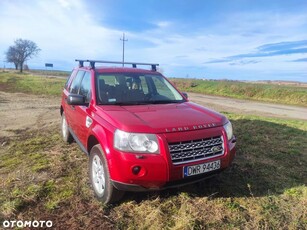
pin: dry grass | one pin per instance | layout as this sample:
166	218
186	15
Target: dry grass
43	178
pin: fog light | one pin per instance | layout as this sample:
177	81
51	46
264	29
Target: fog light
136	170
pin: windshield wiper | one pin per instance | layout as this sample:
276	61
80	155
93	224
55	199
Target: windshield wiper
129	103
164	102
142	102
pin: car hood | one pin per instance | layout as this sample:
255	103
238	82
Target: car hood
161	118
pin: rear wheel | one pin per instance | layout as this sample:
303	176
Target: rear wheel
67	137
100	177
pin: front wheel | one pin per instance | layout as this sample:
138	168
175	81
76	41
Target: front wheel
100	177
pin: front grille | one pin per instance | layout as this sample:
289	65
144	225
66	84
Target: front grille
194	150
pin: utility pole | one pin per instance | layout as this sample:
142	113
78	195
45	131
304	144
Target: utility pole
124	40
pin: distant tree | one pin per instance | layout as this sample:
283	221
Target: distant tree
11	56
22	51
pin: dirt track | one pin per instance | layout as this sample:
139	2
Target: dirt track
224	104
20	111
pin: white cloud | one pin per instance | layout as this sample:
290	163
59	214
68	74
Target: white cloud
164	24
66	29
237	34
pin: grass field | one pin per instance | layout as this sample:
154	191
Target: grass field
29	83
43	178
49	72
283	94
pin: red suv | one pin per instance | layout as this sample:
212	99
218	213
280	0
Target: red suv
139	131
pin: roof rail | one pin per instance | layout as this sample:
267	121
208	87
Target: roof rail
134	64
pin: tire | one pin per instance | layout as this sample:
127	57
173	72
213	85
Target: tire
67	137
100	177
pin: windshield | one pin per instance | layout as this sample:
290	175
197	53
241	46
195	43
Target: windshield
135	88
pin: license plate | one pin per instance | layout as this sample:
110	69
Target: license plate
201	168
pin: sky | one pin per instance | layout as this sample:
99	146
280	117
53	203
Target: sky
212	39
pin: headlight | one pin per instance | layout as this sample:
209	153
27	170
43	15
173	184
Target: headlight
136	142
228	129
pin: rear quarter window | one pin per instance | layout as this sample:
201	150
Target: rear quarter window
85	88
75	85
69	79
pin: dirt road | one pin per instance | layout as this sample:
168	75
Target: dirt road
20	111
224	104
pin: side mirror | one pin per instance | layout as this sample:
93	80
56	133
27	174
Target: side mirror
76	99
185	95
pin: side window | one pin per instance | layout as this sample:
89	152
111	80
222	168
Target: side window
69	79
75	85
85	87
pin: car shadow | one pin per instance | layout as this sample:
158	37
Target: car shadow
270	159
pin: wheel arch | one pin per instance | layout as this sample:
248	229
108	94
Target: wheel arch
91	142
61	110
98	136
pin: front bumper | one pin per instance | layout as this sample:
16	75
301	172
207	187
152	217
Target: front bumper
167	185
160	174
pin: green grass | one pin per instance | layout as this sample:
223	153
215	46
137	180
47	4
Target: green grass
264	92
264	189
49	72
28	83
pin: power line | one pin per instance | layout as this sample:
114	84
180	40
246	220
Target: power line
124	40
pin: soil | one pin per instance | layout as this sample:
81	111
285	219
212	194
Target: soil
19	112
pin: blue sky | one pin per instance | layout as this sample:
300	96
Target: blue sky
234	39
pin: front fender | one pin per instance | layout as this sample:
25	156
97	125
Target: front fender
103	137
